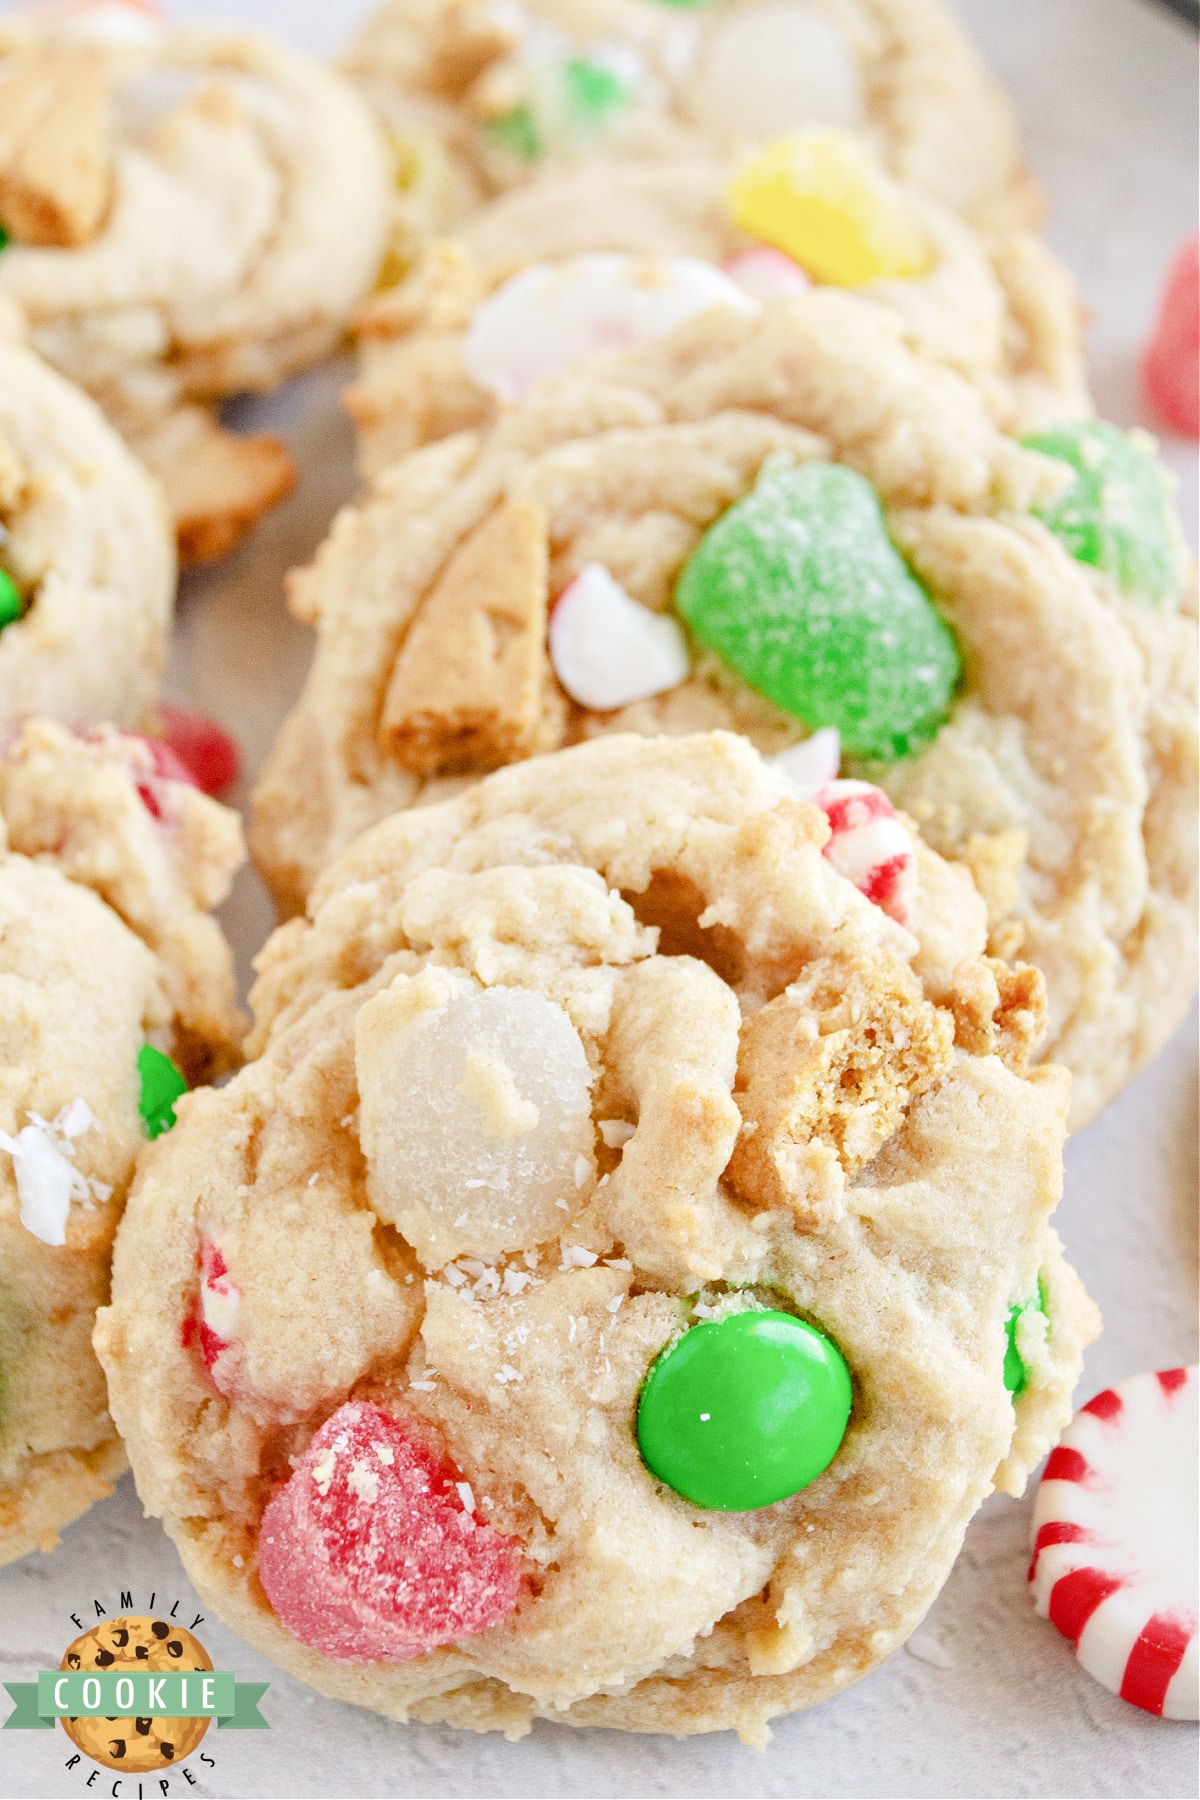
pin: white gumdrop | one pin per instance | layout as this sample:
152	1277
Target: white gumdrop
767	273
553	313
609	651
475	1115
812	763
773	69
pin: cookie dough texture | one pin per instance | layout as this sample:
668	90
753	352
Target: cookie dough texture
245	207
439	71
1065	775
105	943
89	546
803	1103
997	308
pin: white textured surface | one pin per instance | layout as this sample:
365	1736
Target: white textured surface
987	1699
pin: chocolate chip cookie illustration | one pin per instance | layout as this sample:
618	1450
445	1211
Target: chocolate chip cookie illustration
137	1745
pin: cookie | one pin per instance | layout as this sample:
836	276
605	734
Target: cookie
87	564
999	309
1050	743
136	1746
242	216
600	1065
111	967
478	101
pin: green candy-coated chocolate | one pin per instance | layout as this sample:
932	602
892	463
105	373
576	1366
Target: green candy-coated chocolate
745	1410
162	1084
800	590
11	604
1116	515
1016	1375
516	130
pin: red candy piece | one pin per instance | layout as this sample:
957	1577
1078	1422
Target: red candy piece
210	1323
1171	364
208	753
368	1554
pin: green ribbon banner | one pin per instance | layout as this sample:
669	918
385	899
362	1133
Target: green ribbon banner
136	1694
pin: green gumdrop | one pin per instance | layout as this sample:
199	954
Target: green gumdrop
516	130
162	1084
799	589
592	92
1016	1375
744	1411
1116	515
11	604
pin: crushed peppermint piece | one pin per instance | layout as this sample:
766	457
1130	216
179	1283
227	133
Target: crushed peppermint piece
869	845
551	314
607	649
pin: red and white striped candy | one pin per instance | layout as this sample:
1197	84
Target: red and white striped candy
1115	1541
869	845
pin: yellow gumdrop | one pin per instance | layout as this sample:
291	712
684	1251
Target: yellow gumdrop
824	200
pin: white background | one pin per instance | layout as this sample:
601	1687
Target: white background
987	1699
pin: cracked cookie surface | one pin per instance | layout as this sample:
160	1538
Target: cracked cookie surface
520	1111
106	946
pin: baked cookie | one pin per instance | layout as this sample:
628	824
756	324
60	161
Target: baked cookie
87	563
114	978
524	292
206	225
595	1107
479	99
1003	647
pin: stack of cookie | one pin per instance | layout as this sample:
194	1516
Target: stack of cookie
739	816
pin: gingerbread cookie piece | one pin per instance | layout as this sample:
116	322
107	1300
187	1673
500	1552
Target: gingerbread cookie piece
529	289
479	101
242	218
118	992
87	565
1000	634
595	1107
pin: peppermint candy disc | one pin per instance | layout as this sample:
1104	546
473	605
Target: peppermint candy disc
552	313
1115	1541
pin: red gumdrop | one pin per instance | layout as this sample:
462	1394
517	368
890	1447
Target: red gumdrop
206	751
367	1553
1171	364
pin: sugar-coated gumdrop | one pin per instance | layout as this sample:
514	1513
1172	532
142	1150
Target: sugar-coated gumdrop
607	650
205	752
1115	1541
824	200
367	1553
1116	515
869	846
799	589
745	1410
11	604
553	313
162	1085
474	1115
1171	365
774	68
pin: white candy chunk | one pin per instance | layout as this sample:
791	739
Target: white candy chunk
46	1183
474	1113
774	69
111	21
812	763
608	651
553	313
767	273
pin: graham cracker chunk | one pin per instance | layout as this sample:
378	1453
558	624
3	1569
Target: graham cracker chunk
55	169
466	691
